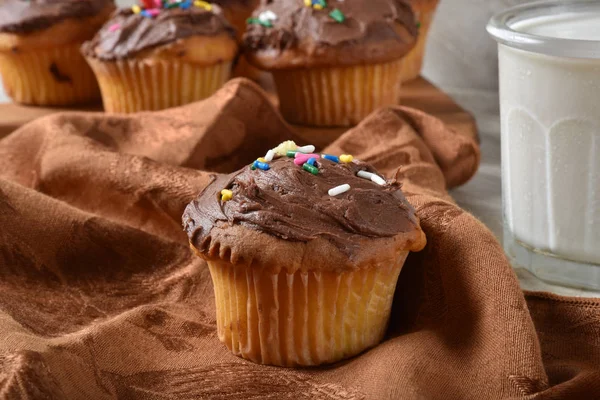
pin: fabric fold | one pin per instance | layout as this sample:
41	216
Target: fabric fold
101	297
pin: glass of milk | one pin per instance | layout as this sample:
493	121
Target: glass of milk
549	65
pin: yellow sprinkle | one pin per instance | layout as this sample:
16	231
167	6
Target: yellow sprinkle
308	3
136	9
261	159
346	158
283	147
203	4
318	7
226	195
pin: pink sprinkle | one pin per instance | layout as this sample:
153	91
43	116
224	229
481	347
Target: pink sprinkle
114	27
307	156
302	158
157	3
153	12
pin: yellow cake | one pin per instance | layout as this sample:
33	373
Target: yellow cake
304	267
151	59
40	62
333	62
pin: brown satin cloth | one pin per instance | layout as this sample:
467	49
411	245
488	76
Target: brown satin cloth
101	298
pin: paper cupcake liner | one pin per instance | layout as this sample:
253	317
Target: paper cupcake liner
52	77
138	85
336	96
302	318
412	63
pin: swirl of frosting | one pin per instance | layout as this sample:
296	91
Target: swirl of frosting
137	33
303	36
26	16
292	204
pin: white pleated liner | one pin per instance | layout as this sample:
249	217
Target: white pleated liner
136	85
337	96
28	78
304	318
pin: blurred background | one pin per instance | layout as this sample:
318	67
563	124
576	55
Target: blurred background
461	59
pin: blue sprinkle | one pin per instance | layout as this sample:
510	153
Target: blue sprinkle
329	157
145	13
311	161
261	165
185	5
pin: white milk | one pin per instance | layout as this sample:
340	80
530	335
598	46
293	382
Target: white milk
550	115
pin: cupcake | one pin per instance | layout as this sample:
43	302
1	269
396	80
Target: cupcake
304	253
40	62
237	12
333	62
412	63
154	58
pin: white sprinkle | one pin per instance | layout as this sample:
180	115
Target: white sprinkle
339	189
378	180
365	174
307	149
371	176
270	155
267	16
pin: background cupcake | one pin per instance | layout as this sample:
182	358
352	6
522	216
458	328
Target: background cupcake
413	62
237	12
304	255
40	62
333	62
161	55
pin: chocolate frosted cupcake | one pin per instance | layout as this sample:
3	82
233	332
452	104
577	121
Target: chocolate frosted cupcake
333	62
155	57
304	252
237	12
413	62
40	62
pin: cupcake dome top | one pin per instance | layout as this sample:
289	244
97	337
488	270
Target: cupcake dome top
302	33
333	206
26	16
131	31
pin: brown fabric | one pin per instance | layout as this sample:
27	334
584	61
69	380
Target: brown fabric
101	298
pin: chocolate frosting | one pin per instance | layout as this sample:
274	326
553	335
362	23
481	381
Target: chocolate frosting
293	204
137	33
367	22
26	16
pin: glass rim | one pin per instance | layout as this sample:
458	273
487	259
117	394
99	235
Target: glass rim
500	28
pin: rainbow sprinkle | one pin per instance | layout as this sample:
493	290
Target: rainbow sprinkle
312	169
151	8
114	27
256	21
338	16
330	157
226	195
338	190
346	158
316	4
203	4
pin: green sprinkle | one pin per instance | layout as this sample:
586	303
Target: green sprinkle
252	166
337	15
418	24
256	21
322	3
310	168
291	153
